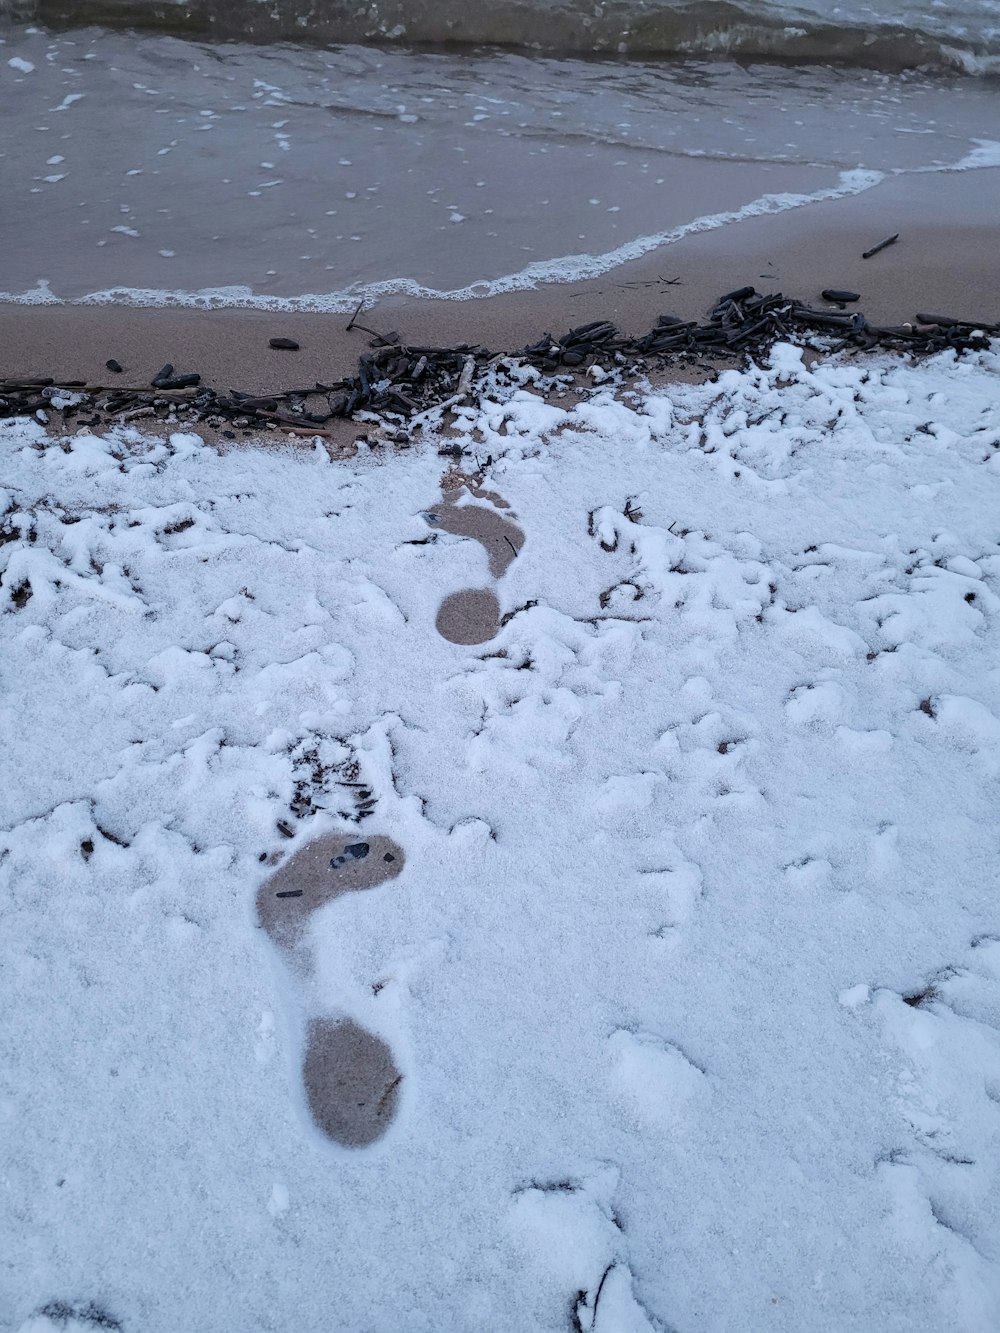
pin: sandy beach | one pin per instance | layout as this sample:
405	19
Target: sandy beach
507	842
943	263
686	989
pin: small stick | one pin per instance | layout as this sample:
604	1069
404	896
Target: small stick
889	240
313	433
600	1288
386	339
388	1093
266	403
943	321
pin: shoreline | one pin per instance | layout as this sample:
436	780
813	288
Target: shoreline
944	262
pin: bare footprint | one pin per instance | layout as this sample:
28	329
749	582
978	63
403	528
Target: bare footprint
473	614
352	1083
499	537
321	871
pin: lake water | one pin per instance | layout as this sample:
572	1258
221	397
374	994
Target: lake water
893	34
150	168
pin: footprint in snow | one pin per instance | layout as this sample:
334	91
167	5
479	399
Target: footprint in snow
352	1082
472	615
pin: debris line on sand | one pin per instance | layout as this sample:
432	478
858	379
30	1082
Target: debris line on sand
410	386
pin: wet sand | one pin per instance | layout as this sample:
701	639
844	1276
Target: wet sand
499	538
944	261
352	1083
322	871
469	616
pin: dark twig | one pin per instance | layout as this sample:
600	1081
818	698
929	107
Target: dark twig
382	339
600	1288
882	245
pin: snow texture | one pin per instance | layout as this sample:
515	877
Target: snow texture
693	969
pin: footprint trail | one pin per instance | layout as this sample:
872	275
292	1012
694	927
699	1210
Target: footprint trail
351	1079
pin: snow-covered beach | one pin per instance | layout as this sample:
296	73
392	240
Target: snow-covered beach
498	827
691	972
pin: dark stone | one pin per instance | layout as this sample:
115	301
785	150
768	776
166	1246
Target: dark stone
177	382
740	294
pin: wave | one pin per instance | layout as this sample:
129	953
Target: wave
567	268
957	40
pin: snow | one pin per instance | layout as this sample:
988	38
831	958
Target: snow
692	972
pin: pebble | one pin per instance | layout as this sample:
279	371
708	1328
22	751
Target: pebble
354	851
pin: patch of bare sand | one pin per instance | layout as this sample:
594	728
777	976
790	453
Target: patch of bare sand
944	261
469	616
352	1082
500	538
317	874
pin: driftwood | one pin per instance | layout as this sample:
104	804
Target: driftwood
882	245
409	386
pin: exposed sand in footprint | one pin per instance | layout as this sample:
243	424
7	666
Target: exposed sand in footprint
473	614
501	539
469	616
309	880
351	1081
